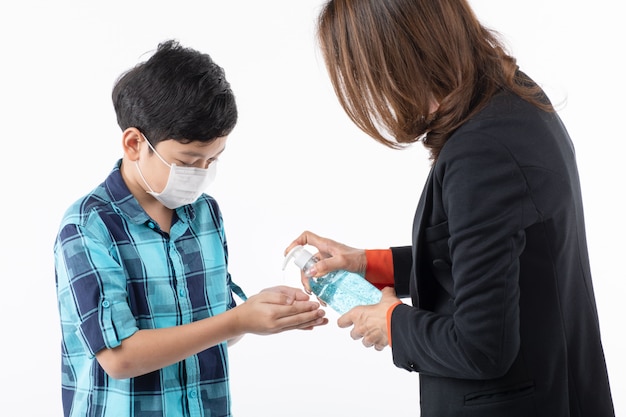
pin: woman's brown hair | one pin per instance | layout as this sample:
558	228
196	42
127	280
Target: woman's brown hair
390	60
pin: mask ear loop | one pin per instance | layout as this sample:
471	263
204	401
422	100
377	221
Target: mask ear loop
155	151
151	191
143	179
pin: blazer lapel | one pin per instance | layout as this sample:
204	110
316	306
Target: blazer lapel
424	206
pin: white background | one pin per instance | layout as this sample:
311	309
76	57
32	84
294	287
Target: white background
294	162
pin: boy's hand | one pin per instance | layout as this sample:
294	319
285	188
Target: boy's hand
278	309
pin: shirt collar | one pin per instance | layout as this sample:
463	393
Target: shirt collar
123	199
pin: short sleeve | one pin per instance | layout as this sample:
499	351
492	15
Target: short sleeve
91	287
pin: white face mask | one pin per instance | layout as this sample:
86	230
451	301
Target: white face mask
184	184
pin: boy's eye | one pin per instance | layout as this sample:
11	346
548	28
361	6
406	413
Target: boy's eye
197	164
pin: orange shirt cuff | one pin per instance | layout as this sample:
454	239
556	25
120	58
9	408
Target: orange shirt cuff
389	313
379	269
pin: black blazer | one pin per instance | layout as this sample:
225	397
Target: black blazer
504	320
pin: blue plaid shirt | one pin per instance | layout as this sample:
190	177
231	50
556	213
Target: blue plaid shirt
116	273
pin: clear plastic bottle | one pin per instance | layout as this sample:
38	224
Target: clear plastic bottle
341	290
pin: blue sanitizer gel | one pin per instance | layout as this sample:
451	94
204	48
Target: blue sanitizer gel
341	290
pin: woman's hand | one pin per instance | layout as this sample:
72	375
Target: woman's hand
370	322
332	256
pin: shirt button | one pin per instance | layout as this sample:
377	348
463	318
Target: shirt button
151	225
193	394
181	293
106	304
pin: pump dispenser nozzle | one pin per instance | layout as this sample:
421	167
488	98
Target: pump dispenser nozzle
301	257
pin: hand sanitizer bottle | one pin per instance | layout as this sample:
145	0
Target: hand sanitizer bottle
341	290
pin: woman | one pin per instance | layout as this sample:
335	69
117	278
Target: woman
503	320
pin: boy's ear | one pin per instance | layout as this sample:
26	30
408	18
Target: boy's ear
130	143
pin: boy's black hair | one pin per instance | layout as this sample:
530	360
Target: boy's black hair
179	93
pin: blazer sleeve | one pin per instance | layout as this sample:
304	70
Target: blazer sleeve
484	204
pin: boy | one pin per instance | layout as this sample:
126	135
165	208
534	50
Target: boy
144	293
